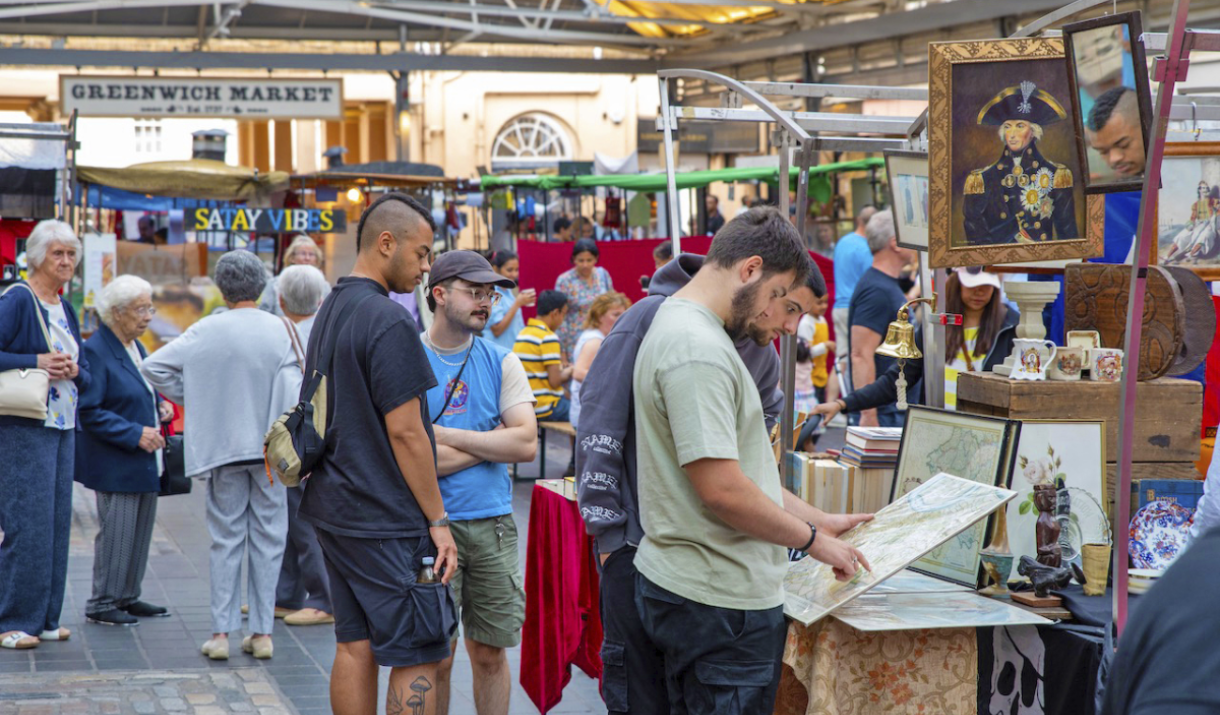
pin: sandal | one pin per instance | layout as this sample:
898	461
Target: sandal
59	634
19	640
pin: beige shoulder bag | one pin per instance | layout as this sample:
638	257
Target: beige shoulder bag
23	392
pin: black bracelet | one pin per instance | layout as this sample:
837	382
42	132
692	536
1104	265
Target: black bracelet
813	535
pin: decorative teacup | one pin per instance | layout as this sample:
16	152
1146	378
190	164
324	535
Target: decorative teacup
1067	365
1106	364
1032	358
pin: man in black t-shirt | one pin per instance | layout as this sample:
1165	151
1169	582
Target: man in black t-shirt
374	498
874	305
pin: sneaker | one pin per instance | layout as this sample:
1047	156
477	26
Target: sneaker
113	617
308	617
140	609
216	649
260	647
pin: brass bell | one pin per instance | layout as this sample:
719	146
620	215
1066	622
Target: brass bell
900	340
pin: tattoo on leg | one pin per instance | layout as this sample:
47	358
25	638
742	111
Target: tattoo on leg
393	702
421	685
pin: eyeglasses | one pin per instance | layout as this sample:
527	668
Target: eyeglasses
480	295
144	310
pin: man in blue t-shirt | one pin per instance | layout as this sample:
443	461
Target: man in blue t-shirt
485	420
852	258
874	306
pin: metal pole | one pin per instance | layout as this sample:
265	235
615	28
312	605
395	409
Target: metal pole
1169	69
673	222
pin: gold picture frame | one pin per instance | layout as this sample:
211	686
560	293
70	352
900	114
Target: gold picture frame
972	194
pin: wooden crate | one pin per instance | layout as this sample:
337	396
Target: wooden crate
1168	412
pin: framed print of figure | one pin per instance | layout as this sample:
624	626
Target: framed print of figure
1003	160
1110	100
1188	208
908	181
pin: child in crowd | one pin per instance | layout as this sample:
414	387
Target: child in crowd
812	347
538	347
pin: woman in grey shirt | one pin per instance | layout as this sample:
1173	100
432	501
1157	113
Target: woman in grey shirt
233	372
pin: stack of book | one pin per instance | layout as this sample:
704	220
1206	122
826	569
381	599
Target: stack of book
871	447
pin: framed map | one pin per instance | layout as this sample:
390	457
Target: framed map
912	611
917	522
909	581
968	446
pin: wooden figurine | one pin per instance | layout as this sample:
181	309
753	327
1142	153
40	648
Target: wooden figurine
1047	529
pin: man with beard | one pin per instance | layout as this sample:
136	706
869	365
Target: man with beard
716	520
484	420
1023	197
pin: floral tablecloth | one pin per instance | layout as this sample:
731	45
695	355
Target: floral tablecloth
834	669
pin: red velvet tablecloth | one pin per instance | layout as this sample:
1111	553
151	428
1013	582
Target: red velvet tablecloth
563	626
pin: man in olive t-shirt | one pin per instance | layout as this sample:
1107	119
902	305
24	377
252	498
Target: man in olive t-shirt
711	564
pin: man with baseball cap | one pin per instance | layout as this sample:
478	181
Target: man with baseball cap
484	420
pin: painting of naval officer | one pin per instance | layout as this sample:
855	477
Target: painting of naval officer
1024	195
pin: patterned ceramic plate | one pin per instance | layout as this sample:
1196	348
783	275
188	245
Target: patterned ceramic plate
1158	532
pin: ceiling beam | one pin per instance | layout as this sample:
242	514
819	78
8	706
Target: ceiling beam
87	6
403	62
191	32
539	13
927	19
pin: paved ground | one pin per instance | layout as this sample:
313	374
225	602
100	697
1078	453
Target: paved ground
157	668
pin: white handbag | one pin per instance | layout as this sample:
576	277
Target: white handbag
24	391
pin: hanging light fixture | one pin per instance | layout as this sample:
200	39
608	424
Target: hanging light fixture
355	196
900	344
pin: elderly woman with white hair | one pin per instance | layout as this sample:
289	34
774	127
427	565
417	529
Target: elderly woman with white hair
38	330
303	251
233	372
118	452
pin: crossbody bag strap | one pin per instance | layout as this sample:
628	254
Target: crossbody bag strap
329	341
42	322
295	337
454	384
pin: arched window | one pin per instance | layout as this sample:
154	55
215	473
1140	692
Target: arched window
530	141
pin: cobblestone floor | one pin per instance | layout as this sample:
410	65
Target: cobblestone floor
157	668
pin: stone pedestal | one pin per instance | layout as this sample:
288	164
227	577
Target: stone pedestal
1031	298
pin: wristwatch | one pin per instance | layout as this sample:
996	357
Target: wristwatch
443	521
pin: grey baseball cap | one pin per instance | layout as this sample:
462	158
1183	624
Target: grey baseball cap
467	265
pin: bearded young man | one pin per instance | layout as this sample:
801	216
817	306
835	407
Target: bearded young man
716	519
485	420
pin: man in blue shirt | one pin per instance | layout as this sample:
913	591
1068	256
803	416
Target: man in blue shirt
852	259
485	420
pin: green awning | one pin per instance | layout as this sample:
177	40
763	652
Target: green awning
686	180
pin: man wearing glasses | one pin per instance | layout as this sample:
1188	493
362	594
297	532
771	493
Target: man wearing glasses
484	410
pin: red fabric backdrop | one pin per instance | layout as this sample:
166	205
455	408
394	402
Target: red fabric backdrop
541	264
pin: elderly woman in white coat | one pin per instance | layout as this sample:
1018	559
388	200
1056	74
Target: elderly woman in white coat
232	373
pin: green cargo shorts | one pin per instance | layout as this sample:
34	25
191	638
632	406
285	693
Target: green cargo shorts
488	587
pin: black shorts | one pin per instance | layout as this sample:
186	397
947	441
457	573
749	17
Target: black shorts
376	598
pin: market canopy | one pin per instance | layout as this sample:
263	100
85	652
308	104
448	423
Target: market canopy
192	179
649	183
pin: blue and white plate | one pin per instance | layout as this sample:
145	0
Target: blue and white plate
1158	533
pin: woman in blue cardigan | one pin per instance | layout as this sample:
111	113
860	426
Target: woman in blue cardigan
39	330
119	452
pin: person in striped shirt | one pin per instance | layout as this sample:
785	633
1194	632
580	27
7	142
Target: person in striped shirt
538	347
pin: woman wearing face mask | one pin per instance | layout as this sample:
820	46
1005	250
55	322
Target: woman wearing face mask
506	321
983	341
119	453
581	284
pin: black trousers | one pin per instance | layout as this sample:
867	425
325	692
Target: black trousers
633	679
718	661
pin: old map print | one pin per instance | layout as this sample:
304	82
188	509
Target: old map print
913	525
966	446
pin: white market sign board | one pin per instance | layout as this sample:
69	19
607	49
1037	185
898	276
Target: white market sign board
116	96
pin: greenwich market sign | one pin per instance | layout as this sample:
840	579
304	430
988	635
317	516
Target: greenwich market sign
112	96
270	220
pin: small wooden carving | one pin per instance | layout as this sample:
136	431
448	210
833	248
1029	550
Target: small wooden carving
1047	528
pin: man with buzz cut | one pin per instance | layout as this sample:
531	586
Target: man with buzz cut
1115	131
483	419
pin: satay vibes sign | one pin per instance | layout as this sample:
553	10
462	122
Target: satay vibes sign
270	220
111	96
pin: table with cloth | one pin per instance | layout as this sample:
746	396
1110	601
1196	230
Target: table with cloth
834	669
563	626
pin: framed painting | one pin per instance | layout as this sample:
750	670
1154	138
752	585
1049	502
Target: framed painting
907	172
1003	165
1188	208
1054	451
1110	100
972	447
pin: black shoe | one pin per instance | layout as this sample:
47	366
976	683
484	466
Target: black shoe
141	609
113	617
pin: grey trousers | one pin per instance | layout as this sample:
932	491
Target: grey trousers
120	551
245	512
303	579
